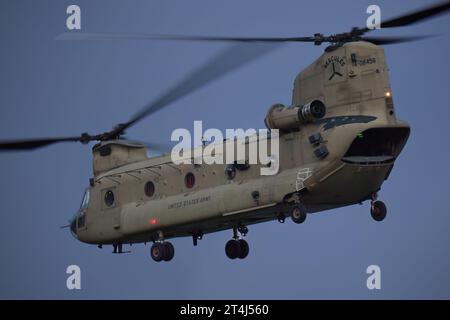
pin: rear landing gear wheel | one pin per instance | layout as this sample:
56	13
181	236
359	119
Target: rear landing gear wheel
233	249
298	213
237	248
157	251
244	249
378	210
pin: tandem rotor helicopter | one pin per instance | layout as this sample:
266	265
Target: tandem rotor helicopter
340	130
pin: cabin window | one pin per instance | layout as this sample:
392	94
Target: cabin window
149	189
230	171
109	198
189	180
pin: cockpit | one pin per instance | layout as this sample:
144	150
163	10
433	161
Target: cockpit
86	198
78	221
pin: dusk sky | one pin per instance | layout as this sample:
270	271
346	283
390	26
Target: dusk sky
63	88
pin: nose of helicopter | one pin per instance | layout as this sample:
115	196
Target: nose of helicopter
73	226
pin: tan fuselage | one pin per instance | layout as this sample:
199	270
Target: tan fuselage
360	133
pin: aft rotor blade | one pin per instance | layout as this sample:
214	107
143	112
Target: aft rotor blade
417	16
410	18
149	36
393	40
223	63
30	144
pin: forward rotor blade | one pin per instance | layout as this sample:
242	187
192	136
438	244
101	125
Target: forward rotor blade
16	145
393	40
144	36
417	16
226	61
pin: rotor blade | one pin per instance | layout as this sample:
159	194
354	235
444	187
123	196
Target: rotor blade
404	20
144	36
417	16
15	145
223	63
393	40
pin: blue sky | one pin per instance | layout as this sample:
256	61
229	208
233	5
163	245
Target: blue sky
58	88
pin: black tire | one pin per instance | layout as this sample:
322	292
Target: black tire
157	251
232	249
244	249
169	251
378	211
298	213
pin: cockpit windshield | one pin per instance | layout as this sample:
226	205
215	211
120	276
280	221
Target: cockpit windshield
86	197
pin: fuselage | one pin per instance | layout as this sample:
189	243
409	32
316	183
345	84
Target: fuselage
136	199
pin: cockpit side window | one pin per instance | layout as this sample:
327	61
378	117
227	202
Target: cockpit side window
81	221
86	198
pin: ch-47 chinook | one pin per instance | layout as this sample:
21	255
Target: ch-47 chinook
338	143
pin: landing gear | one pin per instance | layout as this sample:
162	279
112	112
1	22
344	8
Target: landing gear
169	251
197	235
281	218
298	213
378	209
117	248
243	230
237	248
244	249
232	249
157	251
162	250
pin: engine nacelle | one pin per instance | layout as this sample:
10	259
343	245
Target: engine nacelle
290	118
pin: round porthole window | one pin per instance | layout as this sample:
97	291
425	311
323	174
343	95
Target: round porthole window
149	189
230	171
109	198
189	180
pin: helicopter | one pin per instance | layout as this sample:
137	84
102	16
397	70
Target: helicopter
338	142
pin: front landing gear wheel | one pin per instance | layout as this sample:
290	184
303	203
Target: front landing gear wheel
169	251
378	211
157	251
162	251
233	249
298	213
